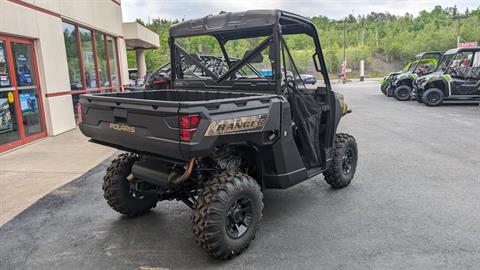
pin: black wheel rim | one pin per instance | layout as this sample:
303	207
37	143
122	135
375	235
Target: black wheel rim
403	93
433	98
239	218
132	188
347	161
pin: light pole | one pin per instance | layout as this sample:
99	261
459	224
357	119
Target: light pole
344	64
458	17
344	40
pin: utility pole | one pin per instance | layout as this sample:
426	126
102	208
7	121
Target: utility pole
344	40
344	64
458	18
458	29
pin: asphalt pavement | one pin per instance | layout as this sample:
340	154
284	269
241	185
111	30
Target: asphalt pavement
414	204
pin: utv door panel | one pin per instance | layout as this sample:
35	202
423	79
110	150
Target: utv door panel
465	87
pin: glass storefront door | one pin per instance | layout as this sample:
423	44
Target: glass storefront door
21	112
9	126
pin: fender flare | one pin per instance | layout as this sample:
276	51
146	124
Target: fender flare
439	83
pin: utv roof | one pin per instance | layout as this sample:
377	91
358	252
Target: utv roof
423	53
237	25
457	50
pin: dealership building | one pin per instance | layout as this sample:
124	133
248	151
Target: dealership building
53	51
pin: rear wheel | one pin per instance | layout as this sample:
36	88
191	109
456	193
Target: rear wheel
344	163
227	214
403	93
118	192
433	97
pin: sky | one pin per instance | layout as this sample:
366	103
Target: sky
190	9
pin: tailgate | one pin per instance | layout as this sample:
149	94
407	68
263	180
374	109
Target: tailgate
132	124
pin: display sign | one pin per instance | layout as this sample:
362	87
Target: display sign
4	81
28	102
2	55
23	70
467	44
6	123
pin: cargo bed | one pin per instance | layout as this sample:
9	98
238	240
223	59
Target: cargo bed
149	121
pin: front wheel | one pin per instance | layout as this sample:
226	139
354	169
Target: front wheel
227	214
383	88
344	163
433	97
403	93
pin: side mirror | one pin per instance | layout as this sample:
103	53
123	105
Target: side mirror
315	62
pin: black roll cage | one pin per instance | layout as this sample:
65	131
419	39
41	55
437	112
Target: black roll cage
284	23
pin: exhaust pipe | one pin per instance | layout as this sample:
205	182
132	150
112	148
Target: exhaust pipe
154	172
174	179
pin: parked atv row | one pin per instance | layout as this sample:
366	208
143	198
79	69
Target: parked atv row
400	84
455	77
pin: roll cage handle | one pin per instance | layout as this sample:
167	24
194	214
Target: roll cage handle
315	62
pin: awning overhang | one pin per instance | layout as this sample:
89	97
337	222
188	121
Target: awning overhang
138	36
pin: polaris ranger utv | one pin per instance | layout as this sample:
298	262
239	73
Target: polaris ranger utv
402	86
457	78
222	136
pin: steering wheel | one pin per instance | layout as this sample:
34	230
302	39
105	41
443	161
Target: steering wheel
452	71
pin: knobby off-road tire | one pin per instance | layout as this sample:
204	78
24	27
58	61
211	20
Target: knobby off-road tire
403	93
225	200
116	188
433	97
344	164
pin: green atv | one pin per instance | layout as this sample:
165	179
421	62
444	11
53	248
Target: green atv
385	82
457	78
423	64
402	86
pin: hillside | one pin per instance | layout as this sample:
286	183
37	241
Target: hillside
383	40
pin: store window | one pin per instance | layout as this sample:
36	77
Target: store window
73	56
112	58
92	62
102	60
88	58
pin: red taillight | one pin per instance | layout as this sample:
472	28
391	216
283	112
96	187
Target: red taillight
188	126
185	135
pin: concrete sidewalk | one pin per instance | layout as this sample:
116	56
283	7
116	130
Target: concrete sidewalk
29	173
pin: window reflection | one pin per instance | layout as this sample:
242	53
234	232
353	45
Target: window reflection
112	55
102	60
88	59
73	56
